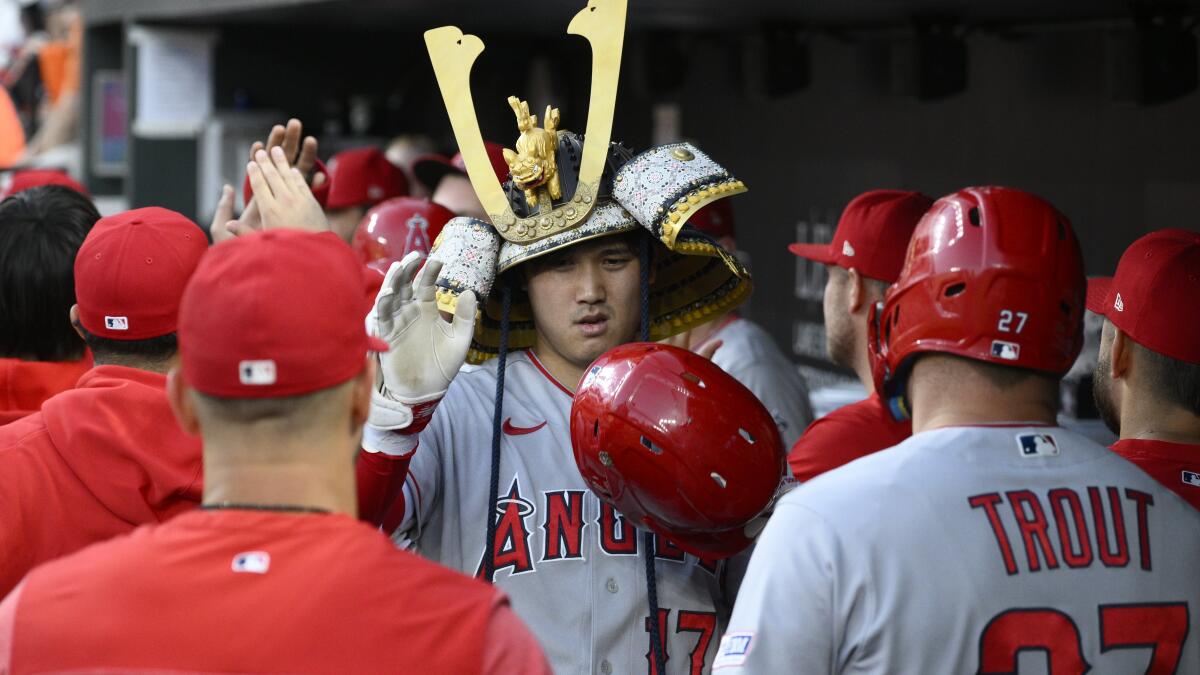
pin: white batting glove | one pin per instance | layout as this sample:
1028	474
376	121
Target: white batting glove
426	350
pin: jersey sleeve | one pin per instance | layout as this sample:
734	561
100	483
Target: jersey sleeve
509	647
788	616
783	393
422	486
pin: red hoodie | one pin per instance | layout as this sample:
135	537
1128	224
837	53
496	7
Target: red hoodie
103	458
25	385
96	462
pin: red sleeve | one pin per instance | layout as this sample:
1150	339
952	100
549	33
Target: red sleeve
842	436
380	480
509	647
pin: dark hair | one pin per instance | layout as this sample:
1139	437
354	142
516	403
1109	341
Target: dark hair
1173	381
155	350
41	230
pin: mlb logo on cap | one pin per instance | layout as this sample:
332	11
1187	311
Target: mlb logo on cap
1037	445
254	562
116	322
1191	478
1009	351
257	373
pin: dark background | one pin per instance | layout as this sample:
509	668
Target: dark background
1091	104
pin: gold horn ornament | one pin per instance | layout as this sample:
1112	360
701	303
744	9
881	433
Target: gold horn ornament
453	54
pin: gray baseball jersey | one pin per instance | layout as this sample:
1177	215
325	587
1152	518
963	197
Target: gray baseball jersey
751	356
974	550
572	566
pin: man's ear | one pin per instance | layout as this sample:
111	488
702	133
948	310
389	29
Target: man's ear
360	396
1120	354
179	395
74	314
856	291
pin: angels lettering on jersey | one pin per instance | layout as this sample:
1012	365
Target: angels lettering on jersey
560	516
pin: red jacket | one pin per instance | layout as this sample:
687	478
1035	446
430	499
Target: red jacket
25	385
844	435
230	591
96	462
108	456
1175	465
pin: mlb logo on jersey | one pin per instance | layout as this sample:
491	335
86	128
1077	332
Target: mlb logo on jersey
1009	351
253	562
260	373
116	322
1037	445
1190	478
735	647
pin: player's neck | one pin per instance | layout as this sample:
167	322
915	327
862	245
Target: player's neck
1145	418
947	392
288	473
563	371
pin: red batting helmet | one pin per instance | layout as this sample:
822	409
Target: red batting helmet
677	445
397	227
992	274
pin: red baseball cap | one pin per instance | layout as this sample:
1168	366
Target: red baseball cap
276	313
430	169
363	177
131	271
30	178
715	219
872	234
1155	295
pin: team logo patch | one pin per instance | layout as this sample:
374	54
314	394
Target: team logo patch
253	562
257	373
116	322
847	249
1190	478
734	649
1119	304
1009	351
1037	445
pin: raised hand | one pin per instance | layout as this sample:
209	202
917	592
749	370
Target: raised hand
426	350
283	196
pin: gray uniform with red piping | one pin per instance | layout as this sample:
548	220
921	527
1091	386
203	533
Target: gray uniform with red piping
571	566
974	550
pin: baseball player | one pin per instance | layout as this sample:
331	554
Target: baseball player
106	455
991	541
493	488
865	256
446	181
41	228
1147	377
359	179
746	350
231	587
